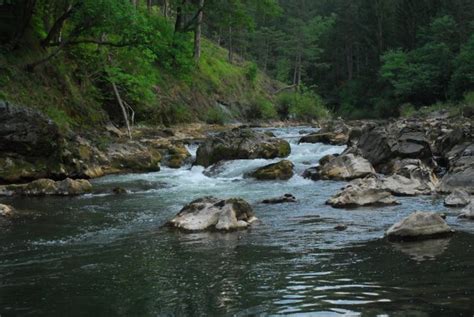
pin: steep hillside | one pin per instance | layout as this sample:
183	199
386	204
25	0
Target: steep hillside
67	90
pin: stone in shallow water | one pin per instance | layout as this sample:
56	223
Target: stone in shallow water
418	226
282	170
210	213
458	198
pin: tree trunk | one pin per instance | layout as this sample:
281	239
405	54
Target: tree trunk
165	9
149	3
197	32
57	26
179	25
231	49
124	110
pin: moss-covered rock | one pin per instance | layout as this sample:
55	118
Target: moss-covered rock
282	170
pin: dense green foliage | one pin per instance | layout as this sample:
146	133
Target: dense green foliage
363	58
366	57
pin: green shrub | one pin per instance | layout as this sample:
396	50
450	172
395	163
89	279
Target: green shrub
261	109
251	72
469	98
60	117
305	105
407	110
467	108
216	116
349	111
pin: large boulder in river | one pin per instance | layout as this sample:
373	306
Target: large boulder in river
345	167
419	225
363	192
133	156
380	144
210	213
282	170
458	198
240	144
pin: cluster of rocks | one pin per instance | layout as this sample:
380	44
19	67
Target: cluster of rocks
400	158
34	147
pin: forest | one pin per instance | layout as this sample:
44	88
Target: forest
273	59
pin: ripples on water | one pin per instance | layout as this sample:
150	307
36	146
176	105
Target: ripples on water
106	254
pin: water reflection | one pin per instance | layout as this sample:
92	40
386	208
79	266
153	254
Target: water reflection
426	250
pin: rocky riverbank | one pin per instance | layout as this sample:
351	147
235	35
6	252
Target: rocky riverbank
403	157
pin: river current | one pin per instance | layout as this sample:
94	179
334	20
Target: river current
108	255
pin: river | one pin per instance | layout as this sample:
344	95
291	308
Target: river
108	255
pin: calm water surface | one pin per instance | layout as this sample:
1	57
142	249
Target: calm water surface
107	255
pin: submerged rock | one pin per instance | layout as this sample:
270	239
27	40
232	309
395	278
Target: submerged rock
210	213
119	191
287	198
282	170
6	211
240	144
340	227
362	192
44	187
468	212
458	198
419	225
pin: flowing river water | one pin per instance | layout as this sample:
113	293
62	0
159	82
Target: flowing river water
108	255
